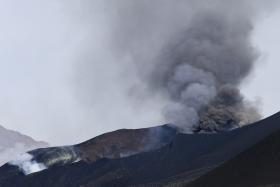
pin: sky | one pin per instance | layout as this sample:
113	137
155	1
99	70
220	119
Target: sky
262	83
46	48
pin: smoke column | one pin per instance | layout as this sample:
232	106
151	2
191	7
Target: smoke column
202	71
185	58
196	58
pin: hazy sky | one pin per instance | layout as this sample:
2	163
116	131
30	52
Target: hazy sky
45	50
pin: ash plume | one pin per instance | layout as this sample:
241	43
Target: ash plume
196	60
187	58
202	73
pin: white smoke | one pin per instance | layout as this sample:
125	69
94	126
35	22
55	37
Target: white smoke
7	154
27	165
14	151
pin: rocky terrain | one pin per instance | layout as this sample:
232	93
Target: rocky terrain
158	156
257	166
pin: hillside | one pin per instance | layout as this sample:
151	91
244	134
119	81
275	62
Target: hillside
124	157
257	166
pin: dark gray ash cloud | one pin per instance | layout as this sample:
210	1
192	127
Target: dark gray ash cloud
195	54
203	70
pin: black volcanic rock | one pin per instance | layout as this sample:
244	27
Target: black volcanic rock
257	166
178	160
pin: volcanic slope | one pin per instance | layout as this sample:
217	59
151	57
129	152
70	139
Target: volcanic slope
107	161
257	166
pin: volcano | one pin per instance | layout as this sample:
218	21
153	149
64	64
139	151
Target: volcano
157	156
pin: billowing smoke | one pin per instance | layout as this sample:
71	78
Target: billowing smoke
202	72
14	150
27	165
195	57
187	58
